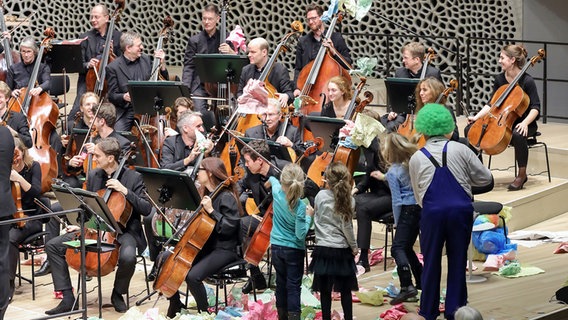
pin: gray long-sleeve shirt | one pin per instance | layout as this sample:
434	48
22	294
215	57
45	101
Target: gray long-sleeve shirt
331	230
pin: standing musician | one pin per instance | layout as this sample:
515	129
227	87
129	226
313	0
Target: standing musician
92	49
278	77
221	247
207	41
27	173
413	54
106	155
6	158
179	152
309	44
16	122
132	65
512	60
19	73
103	123
271	129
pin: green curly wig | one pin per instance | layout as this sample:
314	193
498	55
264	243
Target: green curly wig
434	120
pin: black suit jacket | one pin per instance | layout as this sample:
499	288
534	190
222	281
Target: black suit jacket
279	77
199	43
173	153
132	180
6	157
291	133
431	71
93	46
119	72
19	123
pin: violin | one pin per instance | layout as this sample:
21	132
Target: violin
96	76
199	228
71	148
492	133
314	76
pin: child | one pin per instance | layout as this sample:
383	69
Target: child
333	261
442	176
397	151
291	224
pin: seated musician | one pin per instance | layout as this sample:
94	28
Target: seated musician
278	76
27	173
179	152
19	73
132	65
427	91
222	246
103	123
181	105
339	94
106	155
15	121
512	59
413	54
271	129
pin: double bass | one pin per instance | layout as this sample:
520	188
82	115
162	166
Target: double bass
42	115
492	133
8	57
314	76
199	228
96	76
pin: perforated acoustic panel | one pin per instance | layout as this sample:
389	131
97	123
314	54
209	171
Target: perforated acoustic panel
271	19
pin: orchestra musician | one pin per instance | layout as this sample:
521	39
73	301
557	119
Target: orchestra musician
279	76
512	59
27	173
6	158
206	41
413	54
16	122
19	73
181	105
309	44
132	65
427	91
222	246
92	48
106	155
339	94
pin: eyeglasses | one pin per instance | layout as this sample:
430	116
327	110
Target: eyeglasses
312	19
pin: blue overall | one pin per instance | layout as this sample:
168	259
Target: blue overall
447	217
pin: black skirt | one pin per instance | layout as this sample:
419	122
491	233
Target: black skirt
336	265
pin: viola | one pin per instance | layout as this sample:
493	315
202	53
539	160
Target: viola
96	76
199	228
492	133
314	76
71	149
8	57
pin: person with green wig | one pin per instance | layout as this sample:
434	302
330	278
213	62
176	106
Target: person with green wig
442	175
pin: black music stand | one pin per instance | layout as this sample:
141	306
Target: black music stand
97	216
65	58
326	128
276	149
174	188
400	94
151	97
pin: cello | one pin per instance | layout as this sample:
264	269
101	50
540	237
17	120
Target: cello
199	228
42	115
314	76
492	133
8	57
96	76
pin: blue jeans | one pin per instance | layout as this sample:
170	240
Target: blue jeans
289	265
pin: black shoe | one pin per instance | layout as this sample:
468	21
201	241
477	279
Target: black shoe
404	294
364	265
259	284
44	270
118	302
153	273
517	184
175	307
63	306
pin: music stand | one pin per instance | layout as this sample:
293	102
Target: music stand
150	97
400	94
276	149
325	127
65	58
174	188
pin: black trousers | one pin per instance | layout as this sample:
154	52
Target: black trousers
17	235
369	207
5	291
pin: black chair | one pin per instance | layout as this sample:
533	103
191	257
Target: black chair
140	259
533	143
58	86
235	272
388	221
30	247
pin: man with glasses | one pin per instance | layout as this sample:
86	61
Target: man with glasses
92	48
207	41
309	44
278	77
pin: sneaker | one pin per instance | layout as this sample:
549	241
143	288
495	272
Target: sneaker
404	294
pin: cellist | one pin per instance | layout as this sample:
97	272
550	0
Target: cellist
309	44
92	48
130	184
221	247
